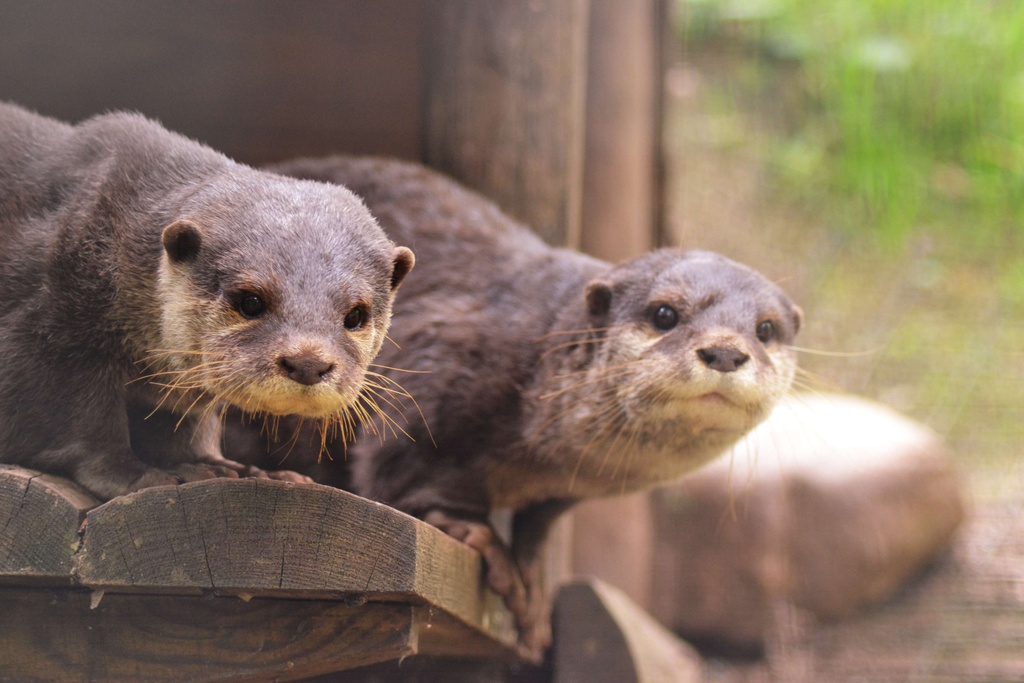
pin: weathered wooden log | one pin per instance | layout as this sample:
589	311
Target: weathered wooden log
40	516
226	579
55	636
602	635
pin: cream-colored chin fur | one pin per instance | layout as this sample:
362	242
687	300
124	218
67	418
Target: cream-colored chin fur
281	396
700	415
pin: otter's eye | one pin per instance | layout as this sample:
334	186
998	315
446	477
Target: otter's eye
665	318
766	331
355	318
252	306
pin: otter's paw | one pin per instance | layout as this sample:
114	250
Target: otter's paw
279	475
288	475
152	477
187	472
503	577
534	641
535	631
223	463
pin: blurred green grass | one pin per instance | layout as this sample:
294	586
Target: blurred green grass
889	135
906	110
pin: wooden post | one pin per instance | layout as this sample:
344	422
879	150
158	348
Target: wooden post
504	96
621	209
621	187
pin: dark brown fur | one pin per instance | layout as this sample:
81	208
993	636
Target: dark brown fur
125	252
538	375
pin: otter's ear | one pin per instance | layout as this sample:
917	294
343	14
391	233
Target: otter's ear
182	240
798	318
599	302
404	260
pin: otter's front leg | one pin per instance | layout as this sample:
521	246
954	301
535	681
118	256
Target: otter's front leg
65	413
190	446
530	529
513	574
503	576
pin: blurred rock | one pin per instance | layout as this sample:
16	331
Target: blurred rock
832	504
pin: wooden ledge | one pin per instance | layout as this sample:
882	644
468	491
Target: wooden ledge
235	578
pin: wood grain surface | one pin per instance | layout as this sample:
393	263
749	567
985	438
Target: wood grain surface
504	113
40	516
228	579
49	636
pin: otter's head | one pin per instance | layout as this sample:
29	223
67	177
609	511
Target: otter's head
275	294
686	351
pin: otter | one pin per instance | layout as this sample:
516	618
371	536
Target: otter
533	377
146	281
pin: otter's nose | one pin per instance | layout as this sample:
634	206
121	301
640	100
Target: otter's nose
722	358
306	368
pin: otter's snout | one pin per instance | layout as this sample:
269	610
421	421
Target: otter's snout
306	368
722	358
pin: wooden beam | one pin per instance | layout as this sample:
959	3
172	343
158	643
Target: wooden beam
504	86
421	669
256	537
49	636
212	569
601	635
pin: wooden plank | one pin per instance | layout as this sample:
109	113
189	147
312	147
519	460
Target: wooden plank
261	537
601	635
49	636
40	516
278	539
172	563
504	84
622	155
